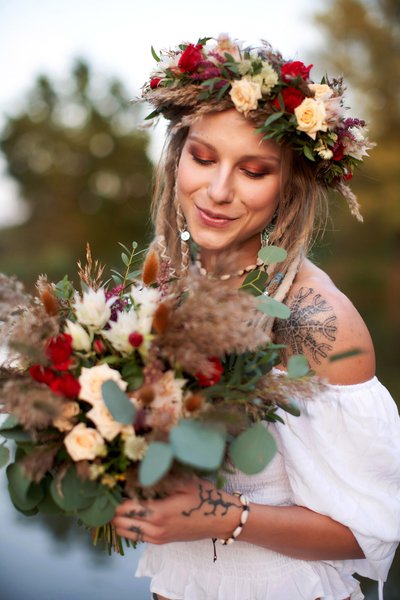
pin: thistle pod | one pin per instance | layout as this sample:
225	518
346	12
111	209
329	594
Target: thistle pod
194	402
161	317
146	394
151	268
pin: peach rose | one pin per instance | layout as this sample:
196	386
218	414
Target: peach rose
321	90
245	95
91	380
106	425
311	115
84	443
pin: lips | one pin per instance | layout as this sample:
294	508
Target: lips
214	215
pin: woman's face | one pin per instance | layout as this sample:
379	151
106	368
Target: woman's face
228	183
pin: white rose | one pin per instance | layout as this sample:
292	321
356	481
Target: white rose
84	443
68	411
120	330
135	447
311	115
93	310
92	379
321	90
245	95
81	340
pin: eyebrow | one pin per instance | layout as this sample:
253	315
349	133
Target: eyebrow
271	157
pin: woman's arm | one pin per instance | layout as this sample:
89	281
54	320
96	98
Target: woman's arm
198	510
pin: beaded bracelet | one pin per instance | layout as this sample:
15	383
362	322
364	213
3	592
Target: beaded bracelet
244	501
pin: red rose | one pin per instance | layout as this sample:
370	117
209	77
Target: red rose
294	69
41	374
66	385
154	82
59	350
292	97
207	380
190	58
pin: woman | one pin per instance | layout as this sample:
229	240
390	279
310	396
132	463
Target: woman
253	145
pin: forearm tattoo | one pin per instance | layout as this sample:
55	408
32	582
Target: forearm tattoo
311	328
211	499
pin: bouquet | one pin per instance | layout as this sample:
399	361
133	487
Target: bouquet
119	388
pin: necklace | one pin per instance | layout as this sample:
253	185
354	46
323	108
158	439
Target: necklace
227	276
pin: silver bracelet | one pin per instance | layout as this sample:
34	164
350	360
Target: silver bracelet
244	501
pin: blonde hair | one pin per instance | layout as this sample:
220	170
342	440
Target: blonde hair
302	206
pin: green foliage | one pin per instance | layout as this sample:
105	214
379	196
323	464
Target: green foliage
24	494
4	455
255	282
118	403
272	254
100	511
73	494
273	308
297	366
80	165
156	463
253	449
198	446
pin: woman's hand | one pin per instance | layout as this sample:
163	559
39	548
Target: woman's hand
197	510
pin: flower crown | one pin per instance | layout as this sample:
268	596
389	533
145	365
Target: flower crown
296	111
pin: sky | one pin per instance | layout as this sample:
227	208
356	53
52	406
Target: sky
115	36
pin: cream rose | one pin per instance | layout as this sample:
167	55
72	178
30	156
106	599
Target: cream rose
84	443
311	115
106	425
92	379
245	95
321	90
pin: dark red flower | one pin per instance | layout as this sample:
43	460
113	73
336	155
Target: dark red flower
191	58
41	374
291	70
292	98
338	152
59	350
207	380
348	176
154	82
135	339
66	385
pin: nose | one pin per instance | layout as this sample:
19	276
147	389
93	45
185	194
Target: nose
220	188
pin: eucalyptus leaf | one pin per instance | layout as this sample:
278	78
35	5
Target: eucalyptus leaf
347	354
196	445
72	497
17	434
272	254
9	423
100	512
48	507
24	494
297	366
156	463
4	456
118	403
273	308
253	449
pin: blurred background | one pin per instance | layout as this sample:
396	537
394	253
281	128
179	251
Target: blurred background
76	165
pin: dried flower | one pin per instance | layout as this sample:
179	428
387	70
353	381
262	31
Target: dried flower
151	268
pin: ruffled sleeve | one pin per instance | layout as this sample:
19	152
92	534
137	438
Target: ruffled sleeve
343	460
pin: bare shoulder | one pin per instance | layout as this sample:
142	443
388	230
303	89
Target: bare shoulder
323	322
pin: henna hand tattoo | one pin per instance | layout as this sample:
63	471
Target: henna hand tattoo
311	328
138	531
206	499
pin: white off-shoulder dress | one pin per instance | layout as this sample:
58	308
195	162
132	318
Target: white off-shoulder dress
340	458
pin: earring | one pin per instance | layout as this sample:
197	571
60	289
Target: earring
265	234
184	233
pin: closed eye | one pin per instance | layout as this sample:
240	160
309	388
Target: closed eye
254	174
201	161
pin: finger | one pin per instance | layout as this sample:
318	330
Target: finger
131	508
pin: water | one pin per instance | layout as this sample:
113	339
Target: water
53	559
